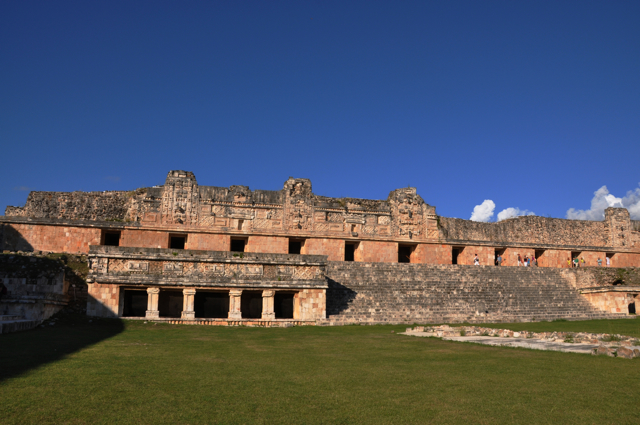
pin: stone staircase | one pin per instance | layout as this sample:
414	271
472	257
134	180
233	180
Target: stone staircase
410	293
15	323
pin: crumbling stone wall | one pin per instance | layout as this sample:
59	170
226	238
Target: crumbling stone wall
102	206
268	218
527	229
590	277
38	286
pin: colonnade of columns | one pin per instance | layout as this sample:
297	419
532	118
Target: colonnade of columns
188	305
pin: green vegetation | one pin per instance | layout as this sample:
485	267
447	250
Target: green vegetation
611	338
107	371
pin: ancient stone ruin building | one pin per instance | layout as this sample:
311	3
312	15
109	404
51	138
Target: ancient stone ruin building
187	252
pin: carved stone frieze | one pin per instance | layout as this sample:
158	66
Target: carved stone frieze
407	212
180	198
99	265
172	267
298	205
294	209
138	266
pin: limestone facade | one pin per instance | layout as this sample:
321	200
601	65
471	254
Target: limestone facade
401	228
232	255
188	285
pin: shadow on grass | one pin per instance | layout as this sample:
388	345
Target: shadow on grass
22	352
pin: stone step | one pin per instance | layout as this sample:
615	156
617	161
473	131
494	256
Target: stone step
405	292
7	326
10	317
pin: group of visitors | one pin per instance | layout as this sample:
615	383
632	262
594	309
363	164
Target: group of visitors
532	262
580	262
528	261
577	262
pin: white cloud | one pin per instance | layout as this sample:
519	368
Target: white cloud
601	200
513	212
632	203
484	211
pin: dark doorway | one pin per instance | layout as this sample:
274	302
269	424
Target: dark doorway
237	245
170	303
295	246
251	304
350	251
498	252
539	253
177	241
212	305
135	303
111	238
455	252
632	308
404	253
574	255
283	305
610	256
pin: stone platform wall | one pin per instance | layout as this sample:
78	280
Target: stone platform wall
408	293
36	287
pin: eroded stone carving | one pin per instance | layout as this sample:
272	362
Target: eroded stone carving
137	266
172	267
180	198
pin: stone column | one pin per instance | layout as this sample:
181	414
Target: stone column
152	303
267	305
235	303
187	305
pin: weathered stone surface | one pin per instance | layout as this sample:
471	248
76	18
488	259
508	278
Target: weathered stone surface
36	289
379	225
408	293
627	352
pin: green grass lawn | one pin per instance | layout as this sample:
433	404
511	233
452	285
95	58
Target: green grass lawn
130	372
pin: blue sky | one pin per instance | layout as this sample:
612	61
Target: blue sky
532	105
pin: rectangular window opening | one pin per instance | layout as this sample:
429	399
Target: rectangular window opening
177	241
404	253
455	252
251	304
170	303
295	246
111	237
283	305
350	251
211	304
135	303
238	245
